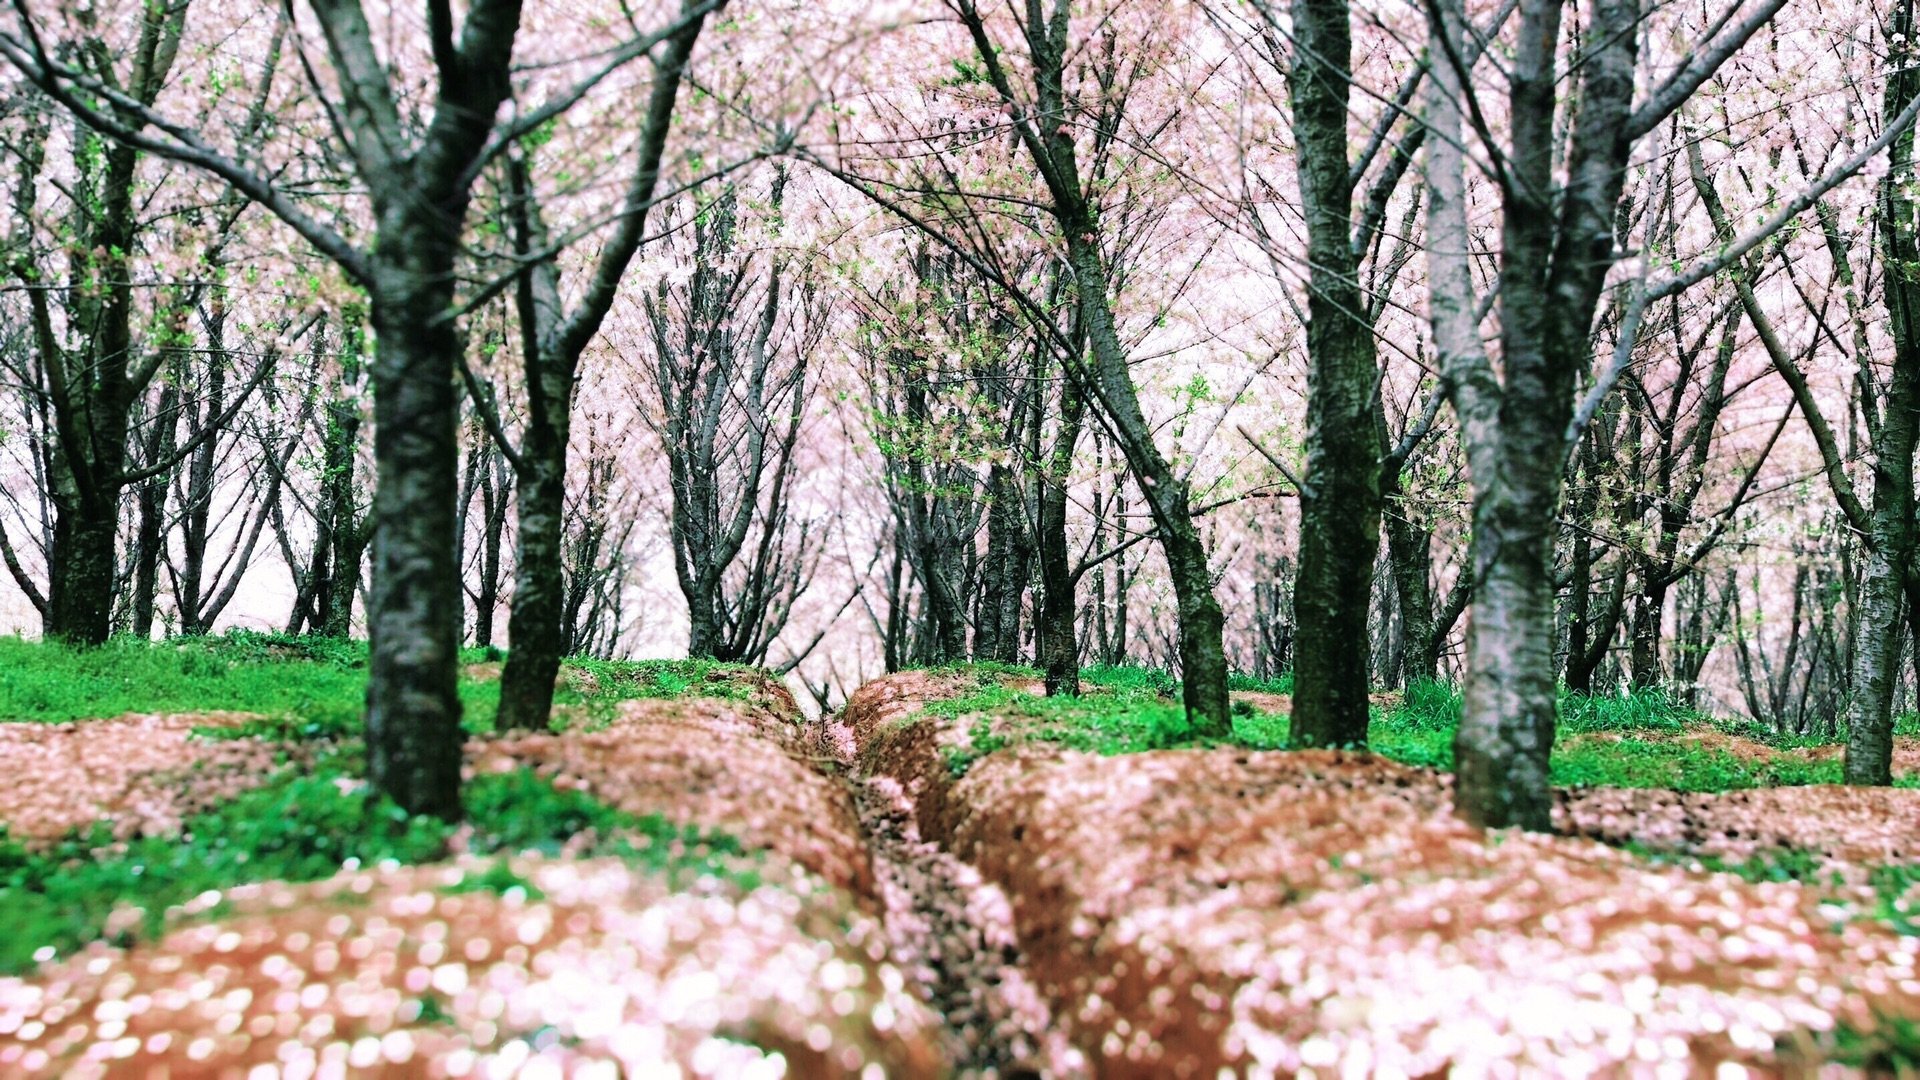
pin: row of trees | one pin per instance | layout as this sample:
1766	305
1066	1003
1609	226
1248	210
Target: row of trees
1555	293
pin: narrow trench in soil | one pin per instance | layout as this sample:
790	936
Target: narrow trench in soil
952	934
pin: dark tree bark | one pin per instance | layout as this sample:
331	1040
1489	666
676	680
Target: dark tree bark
150	532
1058	622
490	479
1556	246
1005	572
1340	507
1410	555
1049	141
346	529
552	342
731	365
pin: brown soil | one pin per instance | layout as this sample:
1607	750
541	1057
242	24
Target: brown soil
144	773
1189	911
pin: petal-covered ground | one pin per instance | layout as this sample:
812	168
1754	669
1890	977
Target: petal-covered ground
1186	911
915	901
714	763
142	773
1849	827
538	968
523	967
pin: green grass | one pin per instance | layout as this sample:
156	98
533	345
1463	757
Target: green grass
306	827
1130	709
54	683
1122	711
1419	731
1129	679
628	679
1279	684
304	687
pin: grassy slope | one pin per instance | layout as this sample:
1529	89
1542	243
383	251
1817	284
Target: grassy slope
1129	709
303	824
308	686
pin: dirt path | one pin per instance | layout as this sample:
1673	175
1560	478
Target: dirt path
952	933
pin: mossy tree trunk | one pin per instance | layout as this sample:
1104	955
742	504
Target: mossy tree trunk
1340	507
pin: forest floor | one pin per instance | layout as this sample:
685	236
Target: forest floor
952	875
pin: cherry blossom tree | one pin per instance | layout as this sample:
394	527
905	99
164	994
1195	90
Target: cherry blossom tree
417	157
1558	204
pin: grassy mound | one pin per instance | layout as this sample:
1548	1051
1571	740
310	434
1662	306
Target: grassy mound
1271	912
1638	740
638	888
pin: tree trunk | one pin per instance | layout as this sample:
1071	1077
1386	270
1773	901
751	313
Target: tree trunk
146	558
413	711
81	568
1890	540
1649	618
1340	510
1556	244
1410	551
1004	576
1507	720
1203	656
150	536
1059	641
534	622
494	479
344	540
